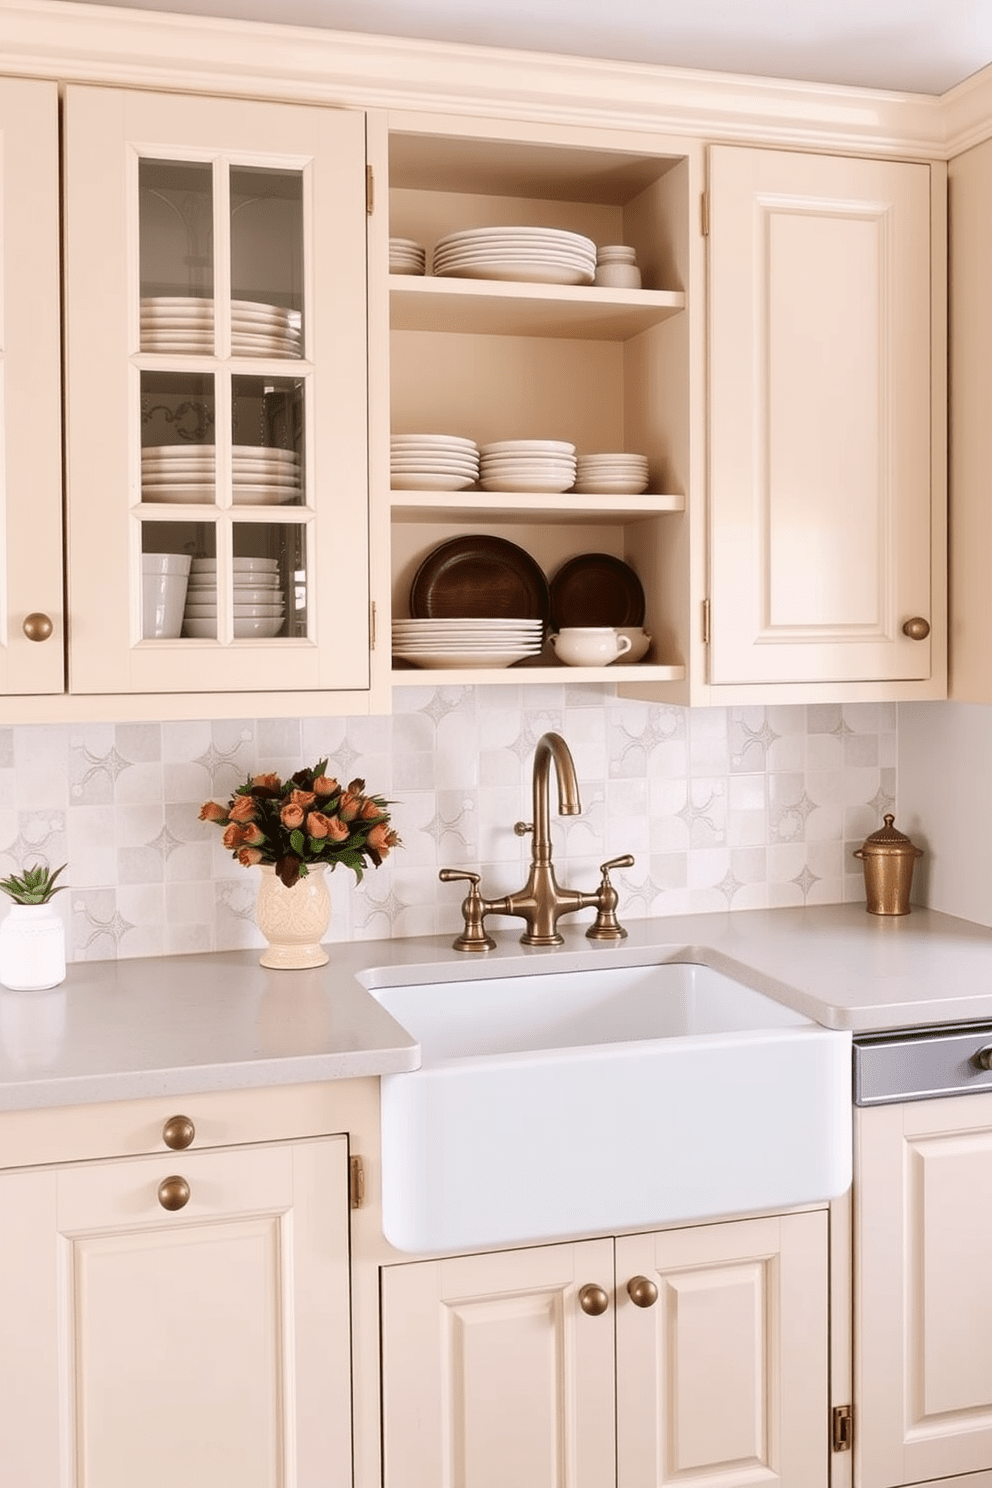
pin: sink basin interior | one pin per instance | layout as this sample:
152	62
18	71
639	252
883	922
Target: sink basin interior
564	1010
568	1103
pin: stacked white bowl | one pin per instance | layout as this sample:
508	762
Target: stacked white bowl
616	267
482	642
527	465
407	256
433	462
259	603
611	475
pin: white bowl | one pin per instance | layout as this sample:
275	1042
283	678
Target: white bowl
640	642
258	629
258	611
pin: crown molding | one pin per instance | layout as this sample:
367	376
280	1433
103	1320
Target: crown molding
968	112
99	44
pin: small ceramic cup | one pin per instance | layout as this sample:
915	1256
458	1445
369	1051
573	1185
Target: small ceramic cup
589	645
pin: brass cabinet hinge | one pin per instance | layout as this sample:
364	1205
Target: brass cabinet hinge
704	214
706	622
356	1182
842	1428
369	190
372	623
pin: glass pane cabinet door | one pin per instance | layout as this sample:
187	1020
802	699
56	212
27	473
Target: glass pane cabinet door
218	505
32	634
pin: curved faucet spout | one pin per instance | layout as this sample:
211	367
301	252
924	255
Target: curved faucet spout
551	748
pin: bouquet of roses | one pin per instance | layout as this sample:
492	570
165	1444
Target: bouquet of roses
309	818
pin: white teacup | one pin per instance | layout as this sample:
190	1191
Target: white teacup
589	645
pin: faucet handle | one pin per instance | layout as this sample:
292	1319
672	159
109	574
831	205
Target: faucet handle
474	937
522	828
606	926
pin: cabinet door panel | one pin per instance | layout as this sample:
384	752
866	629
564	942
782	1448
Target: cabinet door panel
923	1290
216	392
492	1373
820	344
212	1341
30	388
724	1379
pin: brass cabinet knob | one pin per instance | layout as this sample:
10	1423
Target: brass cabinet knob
173	1193
593	1300
37	627
642	1292
983	1058
917	629
178	1133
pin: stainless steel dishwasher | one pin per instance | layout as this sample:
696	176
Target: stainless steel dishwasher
922	1255
922	1063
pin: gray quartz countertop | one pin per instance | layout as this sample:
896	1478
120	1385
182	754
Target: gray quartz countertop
117	1030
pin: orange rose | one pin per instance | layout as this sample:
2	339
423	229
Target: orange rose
379	839
370	810
302	798
349	806
291	816
252	835
325	786
336	829
243	809
317	824
234	836
249	856
267	782
210	811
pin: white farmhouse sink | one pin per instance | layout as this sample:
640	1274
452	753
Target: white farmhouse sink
570	1103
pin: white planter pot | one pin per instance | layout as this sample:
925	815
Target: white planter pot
32	948
293	920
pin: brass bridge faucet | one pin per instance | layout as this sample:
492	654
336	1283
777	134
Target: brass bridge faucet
542	901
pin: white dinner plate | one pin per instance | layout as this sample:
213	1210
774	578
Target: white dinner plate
410	481
538	483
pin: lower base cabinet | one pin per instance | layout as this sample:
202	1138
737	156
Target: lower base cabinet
177	1319
683	1355
923	1292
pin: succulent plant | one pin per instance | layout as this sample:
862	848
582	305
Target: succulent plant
34	886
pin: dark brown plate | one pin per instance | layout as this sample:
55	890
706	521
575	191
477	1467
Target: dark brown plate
479	577
596	589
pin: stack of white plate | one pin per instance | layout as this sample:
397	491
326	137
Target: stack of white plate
260	475
543	255
259	603
527	465
433	462
406	256
264	330
611	475
466	643
185	324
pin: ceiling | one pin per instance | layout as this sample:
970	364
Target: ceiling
917	46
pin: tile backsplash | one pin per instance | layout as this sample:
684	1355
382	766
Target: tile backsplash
723	808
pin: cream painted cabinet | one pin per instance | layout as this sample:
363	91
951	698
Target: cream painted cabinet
685	1354
216	322
923	1291
517	355
826	436
206	1344
32	633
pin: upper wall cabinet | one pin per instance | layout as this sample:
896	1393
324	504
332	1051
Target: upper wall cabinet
491	351
825	470
31	625
216	395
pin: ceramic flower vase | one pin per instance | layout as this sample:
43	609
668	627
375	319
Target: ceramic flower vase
293	920
32	948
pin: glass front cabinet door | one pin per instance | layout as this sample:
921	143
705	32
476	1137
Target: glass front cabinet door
216	395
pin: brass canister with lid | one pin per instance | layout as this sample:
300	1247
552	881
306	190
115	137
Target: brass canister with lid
888	857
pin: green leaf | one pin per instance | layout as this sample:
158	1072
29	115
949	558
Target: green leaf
296	841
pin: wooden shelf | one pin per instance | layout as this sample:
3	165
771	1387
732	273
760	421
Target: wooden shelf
528	675
493	506
493	307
